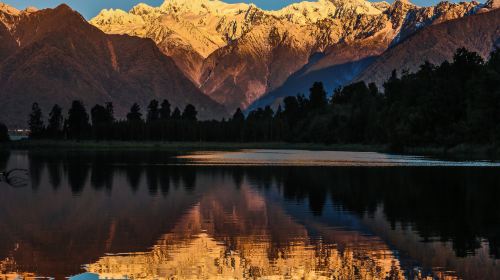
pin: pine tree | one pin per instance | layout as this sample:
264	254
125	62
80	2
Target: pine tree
165	110
35	122
176	115
111	112
99	115
317	96
190	113
238	116
54	129
102	120
153	111
78	126
135	114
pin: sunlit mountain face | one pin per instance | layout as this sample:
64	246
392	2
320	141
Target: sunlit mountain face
140	215
244	56
221	56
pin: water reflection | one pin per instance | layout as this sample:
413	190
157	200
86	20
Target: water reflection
144	215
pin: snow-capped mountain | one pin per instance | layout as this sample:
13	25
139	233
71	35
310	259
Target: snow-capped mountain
236	53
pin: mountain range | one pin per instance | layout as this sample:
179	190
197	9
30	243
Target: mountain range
222	56
54	56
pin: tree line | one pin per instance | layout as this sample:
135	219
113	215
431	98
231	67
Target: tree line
457	102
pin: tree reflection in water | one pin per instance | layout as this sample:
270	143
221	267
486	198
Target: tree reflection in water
252	220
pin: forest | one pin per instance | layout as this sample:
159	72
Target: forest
457	102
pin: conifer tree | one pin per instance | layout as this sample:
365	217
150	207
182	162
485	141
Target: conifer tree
153	111
35	122
176	115
135	114
190	113
165	110
238	116
317	96
111	112
78	126
55	126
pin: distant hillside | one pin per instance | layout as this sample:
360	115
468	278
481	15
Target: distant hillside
479	33
55	56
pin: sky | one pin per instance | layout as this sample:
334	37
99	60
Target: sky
90	8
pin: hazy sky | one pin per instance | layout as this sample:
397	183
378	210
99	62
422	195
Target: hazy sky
90	8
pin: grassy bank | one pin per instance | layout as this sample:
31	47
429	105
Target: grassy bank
181	146
459	152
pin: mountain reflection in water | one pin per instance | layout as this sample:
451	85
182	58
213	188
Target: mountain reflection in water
146	215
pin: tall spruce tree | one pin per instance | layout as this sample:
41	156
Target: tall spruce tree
176	115
35	122
238	116
111	112
77	125
55	126
165	110
153	111
135	114
99	115
190	113
317	96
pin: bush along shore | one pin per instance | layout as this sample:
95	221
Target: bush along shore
452	108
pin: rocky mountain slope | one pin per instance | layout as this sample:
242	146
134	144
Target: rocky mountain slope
236	53
479	33
56	56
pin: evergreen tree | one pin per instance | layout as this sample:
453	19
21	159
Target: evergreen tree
317	96
4	133
176	115
236	126
279	112
111	112
153	111
99	115
238	116
55	126
78	126
268	113
190	113
165	110
135	114
292	110
35	122
102	120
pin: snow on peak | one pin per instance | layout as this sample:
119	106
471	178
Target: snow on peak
202	7
207	25
8	9
311	12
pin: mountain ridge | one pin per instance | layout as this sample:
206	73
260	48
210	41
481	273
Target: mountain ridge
56	56
238	53
437	44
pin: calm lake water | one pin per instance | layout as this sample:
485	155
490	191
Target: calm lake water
248	215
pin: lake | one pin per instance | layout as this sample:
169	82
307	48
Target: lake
251	214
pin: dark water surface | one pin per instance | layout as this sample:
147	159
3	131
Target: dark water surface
248	215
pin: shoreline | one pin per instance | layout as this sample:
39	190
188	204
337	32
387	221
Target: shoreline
460	152
183	146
